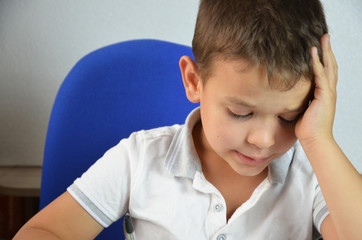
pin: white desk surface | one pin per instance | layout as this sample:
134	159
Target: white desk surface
20	181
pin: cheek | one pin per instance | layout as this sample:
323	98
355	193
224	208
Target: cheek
228	135
220	133
217	136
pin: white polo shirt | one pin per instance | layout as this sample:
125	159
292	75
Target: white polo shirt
157	177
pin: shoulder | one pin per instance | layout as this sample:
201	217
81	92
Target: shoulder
150	144
161	136
161	132
144	144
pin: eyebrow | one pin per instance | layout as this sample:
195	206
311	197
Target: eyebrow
240	102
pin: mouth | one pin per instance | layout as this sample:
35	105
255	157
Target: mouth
251	160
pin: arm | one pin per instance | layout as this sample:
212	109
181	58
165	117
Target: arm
64	219
340	182
342	188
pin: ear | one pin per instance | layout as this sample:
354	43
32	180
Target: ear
191	78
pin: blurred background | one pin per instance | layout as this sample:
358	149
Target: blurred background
41	40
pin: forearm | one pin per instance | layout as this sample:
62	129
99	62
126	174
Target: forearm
341	186
62	219
29	233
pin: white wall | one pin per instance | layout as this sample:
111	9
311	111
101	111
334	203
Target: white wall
41	40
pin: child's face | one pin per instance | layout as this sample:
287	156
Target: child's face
245	122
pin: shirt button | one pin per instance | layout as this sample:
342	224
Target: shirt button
221	237
218	208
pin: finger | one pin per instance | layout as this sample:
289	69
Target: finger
320	77
330	64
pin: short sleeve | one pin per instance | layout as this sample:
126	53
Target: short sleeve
320	210
104	189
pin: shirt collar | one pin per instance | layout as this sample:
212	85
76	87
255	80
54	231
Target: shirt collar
278	168
182	159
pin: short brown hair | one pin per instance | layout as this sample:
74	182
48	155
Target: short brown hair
276	34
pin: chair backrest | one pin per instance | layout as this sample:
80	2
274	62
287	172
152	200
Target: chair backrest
109	94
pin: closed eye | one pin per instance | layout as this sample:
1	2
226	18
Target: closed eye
238	116
289	121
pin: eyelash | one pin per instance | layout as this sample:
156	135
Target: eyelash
240	116
288	121
246	116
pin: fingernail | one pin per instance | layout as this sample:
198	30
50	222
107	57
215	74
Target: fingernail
315	51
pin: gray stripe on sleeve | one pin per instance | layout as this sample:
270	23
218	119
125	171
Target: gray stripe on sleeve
89	206
321	215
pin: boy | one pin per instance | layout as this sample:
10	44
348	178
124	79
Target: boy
234	170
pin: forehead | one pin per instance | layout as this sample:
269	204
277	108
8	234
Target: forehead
239	79
282	79
243	68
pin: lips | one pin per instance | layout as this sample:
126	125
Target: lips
254	161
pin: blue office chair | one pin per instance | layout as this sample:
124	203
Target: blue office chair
109	94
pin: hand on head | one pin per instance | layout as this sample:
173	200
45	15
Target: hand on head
317	121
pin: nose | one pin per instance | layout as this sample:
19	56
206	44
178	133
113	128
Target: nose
262	136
